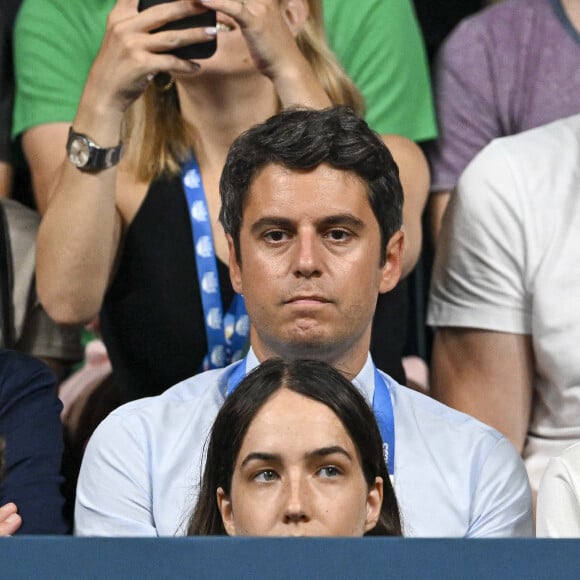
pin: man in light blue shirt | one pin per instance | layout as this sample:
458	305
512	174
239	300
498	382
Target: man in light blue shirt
311	205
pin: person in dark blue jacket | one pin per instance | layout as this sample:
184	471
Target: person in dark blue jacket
32	442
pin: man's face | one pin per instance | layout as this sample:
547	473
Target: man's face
310	267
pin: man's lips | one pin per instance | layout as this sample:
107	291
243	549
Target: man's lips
307	299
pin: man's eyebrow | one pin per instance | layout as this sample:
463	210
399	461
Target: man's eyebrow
331	450
270	221
342	219
260	456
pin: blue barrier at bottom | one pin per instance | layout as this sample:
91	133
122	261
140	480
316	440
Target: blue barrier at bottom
179	558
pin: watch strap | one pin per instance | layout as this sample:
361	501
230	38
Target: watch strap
104	157
99	157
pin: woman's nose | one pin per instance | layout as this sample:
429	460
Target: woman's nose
297	508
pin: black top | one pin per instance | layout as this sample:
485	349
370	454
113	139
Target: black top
390	332
152	317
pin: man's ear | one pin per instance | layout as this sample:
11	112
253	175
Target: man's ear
374	504
391	270
235	267
296	14
225	507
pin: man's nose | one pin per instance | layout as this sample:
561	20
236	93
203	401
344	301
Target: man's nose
307	257
297	503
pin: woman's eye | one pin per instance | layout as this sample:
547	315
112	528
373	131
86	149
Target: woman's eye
329	471
266	475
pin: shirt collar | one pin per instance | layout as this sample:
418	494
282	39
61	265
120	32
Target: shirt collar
365	380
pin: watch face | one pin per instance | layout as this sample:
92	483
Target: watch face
79	151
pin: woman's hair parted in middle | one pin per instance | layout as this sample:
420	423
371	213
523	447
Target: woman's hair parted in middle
312	379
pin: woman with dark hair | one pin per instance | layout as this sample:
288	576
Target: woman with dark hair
295	450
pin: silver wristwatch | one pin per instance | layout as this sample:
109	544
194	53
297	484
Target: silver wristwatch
86	155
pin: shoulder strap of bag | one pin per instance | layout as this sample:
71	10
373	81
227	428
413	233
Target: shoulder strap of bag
6	284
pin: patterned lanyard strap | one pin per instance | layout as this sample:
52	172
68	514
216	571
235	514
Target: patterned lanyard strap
227	335
382	408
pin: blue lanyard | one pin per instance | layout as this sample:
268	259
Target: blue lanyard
227	335
382	408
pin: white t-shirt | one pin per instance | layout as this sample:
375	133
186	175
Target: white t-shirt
558	512
509	261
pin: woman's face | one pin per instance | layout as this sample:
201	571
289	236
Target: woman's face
233	54
298	474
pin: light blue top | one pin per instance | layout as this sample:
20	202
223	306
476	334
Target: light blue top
454	476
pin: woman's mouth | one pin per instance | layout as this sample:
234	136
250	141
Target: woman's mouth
221	27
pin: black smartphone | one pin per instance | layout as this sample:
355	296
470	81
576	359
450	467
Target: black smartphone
193	51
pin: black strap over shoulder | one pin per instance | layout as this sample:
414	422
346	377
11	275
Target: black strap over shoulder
6	284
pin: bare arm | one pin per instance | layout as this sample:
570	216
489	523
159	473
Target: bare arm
486	374
77	241
437	205
414	175
80	233
43	148
5	179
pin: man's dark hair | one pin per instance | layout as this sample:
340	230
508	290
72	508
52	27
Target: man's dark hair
315	380
303	139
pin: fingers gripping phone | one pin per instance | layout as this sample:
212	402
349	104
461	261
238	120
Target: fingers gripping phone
193	51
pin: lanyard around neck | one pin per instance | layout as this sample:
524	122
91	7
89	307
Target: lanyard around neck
382	408
227	335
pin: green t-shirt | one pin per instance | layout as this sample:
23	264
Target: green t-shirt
55	43
378	42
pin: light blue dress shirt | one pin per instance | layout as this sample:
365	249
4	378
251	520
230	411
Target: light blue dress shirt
454	476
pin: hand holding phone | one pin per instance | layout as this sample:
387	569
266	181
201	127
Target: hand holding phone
193	51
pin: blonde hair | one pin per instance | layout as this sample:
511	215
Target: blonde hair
158	141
